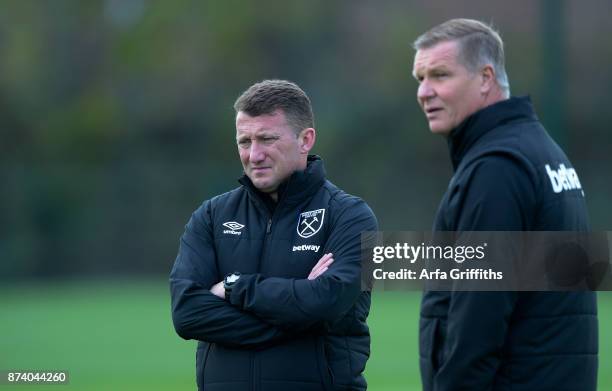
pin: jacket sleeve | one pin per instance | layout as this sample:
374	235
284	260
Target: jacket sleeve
197	313
301	303
498	197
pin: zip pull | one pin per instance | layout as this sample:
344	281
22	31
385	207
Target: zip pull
268	228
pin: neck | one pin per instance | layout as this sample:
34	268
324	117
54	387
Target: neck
494	96
301	166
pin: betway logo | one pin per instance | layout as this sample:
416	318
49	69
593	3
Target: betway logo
307	247
563	178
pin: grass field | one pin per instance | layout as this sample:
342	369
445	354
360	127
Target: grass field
118	336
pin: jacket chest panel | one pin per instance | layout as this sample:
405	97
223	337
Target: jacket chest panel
293	245
288	254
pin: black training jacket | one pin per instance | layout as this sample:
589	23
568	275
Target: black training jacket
509	175
279	331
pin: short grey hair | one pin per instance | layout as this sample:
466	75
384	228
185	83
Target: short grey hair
479	44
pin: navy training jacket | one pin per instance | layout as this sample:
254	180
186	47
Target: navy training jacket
279	331
509	175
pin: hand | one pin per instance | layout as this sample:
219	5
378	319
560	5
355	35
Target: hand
321	266
218	290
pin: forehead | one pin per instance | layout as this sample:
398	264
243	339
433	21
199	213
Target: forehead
440	55
274	122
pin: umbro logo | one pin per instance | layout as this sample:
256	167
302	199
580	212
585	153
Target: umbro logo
234	228
233	225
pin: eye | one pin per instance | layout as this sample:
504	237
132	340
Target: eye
268	140
439	75
244	143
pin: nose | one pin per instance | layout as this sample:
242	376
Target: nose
425	91
256	153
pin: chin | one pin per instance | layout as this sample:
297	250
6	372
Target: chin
439	130
259	185
264	187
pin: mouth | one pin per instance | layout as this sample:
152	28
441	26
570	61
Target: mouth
257	170
431	111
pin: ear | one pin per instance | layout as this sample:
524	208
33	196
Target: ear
487	79
306	139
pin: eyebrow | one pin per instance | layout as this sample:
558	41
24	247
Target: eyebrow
430	70
259	133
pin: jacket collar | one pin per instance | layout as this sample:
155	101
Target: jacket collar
465	135
299	186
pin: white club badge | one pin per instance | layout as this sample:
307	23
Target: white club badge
310	222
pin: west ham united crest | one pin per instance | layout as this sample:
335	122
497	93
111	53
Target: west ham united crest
310	222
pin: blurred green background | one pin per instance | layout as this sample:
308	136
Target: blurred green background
116	122
118	336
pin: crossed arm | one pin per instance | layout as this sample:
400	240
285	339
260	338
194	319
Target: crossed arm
321	267
199	314
247	320
330	291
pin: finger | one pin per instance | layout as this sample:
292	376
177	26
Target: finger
321	264
321	271
322	260
326	264
316	273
